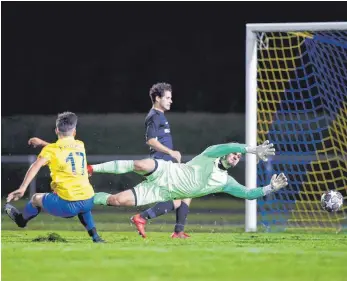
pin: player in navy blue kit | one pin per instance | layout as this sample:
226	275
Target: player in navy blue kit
158	137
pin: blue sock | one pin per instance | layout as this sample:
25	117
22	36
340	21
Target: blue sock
181	217
30	211
88	222
158	210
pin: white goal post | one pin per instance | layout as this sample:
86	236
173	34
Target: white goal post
251	97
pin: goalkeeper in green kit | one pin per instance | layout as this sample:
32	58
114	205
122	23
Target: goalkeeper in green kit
204	174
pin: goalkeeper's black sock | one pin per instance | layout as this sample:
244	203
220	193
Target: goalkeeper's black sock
181	217
158	210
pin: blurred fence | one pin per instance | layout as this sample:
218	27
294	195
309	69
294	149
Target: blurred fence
124	133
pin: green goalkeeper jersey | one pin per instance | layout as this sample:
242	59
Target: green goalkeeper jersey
201	175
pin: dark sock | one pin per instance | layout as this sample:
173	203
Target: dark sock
181	217
88	222
92	233
30	211
158	210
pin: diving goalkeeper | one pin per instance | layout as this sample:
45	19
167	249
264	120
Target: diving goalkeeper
204	174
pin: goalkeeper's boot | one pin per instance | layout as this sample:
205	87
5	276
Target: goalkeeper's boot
140	224
181	235
15	215
90	170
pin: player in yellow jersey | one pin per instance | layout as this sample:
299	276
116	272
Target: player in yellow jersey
72	192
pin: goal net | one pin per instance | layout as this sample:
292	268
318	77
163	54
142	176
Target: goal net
302	109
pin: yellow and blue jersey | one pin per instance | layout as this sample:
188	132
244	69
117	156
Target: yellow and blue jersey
67	162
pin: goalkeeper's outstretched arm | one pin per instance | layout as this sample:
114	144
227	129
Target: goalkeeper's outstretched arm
220	150
262	151
238	190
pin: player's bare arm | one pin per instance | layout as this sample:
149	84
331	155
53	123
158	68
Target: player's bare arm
30	175
37	142
156	145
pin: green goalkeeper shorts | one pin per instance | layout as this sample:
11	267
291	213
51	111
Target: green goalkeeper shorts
155	188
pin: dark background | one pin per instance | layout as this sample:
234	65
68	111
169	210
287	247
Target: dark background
102	57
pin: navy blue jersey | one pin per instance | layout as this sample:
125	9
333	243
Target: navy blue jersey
158	127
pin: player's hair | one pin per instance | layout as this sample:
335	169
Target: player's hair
157	90
66	123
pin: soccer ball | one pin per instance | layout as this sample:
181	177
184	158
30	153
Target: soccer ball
332	201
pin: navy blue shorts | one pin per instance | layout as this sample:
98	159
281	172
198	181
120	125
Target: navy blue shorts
58	207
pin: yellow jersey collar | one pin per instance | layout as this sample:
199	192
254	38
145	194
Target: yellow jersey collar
66	139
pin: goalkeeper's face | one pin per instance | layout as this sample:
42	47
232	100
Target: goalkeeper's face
233	159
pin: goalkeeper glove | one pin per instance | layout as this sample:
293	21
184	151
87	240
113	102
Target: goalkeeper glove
276	183
262	151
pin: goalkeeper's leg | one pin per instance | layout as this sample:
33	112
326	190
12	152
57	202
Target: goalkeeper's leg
142	167
146	192
128	198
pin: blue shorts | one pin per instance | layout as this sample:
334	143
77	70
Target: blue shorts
58	207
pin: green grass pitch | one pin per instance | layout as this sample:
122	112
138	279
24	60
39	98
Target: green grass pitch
206	256
217	250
